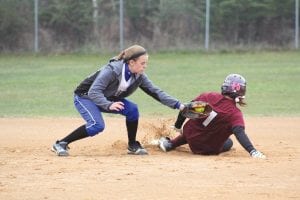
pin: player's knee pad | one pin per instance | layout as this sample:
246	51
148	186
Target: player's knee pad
95	129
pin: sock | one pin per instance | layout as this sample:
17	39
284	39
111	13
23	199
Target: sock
131	130
77	134
178	141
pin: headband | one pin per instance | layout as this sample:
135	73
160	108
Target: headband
136	55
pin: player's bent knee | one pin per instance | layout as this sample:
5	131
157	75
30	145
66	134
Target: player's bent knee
133	113
227	146
95	129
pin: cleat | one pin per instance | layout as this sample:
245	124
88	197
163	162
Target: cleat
165	144
60	148
136	149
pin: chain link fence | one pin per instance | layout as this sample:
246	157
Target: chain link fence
160	25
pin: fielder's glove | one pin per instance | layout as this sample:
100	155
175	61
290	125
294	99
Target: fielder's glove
196	110
257	154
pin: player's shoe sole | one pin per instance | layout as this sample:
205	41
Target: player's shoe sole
138	152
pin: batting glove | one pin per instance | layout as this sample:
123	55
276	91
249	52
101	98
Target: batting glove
178	130
181	107
257	154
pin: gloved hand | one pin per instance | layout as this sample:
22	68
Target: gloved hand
176	129
196	110
181	107
257	154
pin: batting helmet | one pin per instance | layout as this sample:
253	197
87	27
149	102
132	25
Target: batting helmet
234	86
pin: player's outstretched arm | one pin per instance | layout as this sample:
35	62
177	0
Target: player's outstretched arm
243	139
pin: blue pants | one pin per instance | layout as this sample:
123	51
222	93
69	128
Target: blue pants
92	114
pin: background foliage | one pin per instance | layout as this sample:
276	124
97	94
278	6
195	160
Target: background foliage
80	26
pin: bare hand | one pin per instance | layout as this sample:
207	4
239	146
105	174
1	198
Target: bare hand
117	106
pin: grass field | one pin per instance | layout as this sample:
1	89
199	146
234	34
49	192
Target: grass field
43	85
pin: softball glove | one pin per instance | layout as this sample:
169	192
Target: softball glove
196	110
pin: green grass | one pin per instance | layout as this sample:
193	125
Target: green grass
43	85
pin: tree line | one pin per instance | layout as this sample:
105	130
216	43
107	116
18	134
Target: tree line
93	25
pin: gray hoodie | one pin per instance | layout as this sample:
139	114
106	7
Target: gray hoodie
101	87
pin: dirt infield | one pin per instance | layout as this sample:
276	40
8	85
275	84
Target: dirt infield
99	167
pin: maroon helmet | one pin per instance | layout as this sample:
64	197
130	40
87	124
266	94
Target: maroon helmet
234	86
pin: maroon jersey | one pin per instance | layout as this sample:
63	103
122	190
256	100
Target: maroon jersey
208	135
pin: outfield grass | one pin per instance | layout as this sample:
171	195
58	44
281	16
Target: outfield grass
33	86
